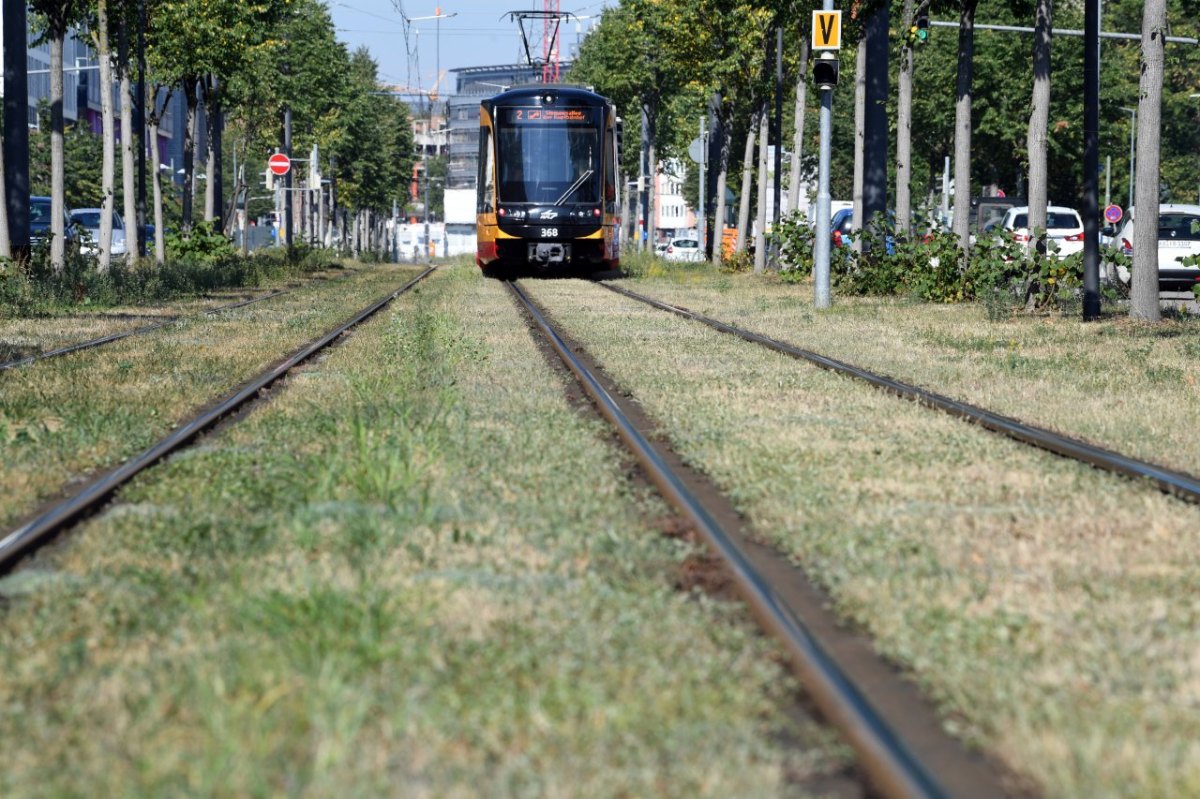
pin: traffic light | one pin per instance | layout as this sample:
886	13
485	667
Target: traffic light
825	71
922	25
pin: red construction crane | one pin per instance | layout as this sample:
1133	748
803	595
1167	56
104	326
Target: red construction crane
550	25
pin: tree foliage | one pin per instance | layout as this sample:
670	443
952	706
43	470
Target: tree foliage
721	45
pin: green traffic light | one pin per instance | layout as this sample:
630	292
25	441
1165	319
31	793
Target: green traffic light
923	34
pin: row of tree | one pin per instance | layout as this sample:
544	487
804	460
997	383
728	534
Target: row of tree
243	62
1007	106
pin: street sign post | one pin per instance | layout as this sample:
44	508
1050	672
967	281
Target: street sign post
279	164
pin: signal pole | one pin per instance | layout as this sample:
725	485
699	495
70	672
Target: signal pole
287	179
827	36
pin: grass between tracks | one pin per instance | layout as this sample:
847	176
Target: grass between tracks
68	416
1122	384
1052	610
416	571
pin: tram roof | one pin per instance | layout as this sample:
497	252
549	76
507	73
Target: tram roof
565	90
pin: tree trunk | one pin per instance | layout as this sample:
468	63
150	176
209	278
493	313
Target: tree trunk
1039	123
1144	302
904	129
160	246
760	216
860	138
189	155
747	182
152	117
962	125
798	137
57	158
210	163
128	137
718	225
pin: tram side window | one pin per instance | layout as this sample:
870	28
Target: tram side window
486	182
610	168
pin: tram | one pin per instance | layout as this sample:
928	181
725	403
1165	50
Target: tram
547	197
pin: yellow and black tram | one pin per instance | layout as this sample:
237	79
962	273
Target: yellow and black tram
547	196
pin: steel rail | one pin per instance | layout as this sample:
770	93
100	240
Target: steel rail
22	539
891	765
137	331
1178	484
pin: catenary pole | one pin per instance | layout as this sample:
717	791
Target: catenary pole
702	222
16	127
1091	160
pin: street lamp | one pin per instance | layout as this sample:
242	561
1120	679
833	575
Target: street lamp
437	68
1132	149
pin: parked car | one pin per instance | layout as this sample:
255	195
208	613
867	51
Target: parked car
1178	238
841	225
88	219
841	230
684	249
660	249
1063	226
39	221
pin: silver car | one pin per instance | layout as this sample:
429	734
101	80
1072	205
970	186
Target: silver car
88	220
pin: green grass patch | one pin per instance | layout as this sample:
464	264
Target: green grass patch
68	416
417	569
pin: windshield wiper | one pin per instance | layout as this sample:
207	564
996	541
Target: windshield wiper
574	186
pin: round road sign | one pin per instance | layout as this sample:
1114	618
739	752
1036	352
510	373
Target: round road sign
279	164
1113	214
696	150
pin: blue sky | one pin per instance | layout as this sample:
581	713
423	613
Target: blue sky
475	36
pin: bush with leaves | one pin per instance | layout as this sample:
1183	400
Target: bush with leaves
204	243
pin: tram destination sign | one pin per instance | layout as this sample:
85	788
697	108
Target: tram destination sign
536	115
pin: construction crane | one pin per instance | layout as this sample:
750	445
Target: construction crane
410	91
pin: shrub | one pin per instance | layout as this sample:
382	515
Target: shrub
205	243
36	288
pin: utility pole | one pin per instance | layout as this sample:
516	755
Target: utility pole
1091	160
875	134
16	128
702	222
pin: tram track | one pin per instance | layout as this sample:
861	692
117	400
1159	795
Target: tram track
61	515
1181	485
166	321
897	737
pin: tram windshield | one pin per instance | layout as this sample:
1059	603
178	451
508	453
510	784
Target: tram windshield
549	156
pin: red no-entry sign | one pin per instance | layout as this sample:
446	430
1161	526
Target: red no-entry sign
279	164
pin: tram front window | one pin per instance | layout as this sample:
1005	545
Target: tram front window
549	156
